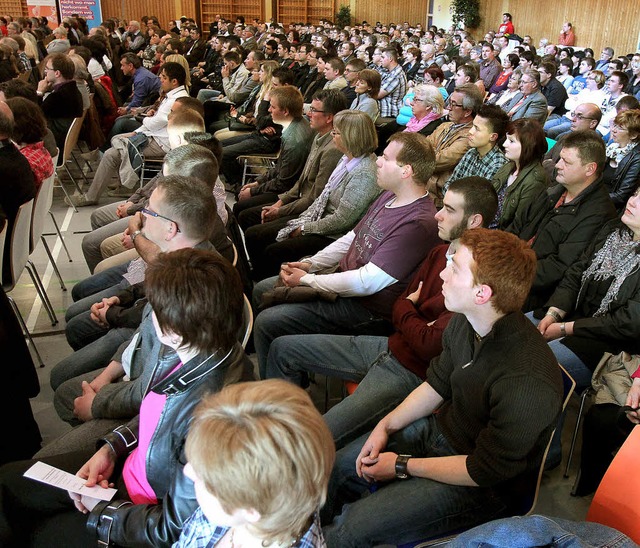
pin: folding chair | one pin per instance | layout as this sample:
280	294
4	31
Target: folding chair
19	255
70	143
49	200
254	165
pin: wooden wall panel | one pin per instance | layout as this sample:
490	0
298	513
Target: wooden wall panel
15	8
596	23
374	10
165	10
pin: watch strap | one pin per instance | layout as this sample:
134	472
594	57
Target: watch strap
401	466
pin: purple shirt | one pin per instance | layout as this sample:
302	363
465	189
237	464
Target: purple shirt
396	240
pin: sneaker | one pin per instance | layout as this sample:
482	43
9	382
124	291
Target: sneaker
79	200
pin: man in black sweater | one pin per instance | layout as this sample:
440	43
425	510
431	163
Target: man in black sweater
497	390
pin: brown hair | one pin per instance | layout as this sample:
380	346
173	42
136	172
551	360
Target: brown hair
289	99
418	153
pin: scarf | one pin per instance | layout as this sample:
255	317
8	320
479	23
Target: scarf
414	125
315	211
616	153
616	259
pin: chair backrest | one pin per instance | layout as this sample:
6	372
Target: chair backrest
247	323
42	204
614	503
19	243
568	386
71	140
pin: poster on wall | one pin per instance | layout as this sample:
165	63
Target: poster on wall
43	8
90	10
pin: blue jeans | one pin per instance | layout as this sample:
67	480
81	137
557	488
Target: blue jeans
401	511
539	530
91	357
555	127
205	94
383	381
345	315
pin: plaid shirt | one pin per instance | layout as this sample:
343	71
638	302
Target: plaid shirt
472	164
40	161
395	82
199	533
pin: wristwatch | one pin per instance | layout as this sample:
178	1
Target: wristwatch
135	234
401	467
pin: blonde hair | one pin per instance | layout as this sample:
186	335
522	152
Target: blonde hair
268	67
181	60
357	132
432	97
262	445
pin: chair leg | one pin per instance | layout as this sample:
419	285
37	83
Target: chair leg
583	399
23	325
79	168
65	190
37	281
55	224
53	263
73	180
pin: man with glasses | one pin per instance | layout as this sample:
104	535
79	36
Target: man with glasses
530	102
351	73
59	96
261	224
584	116
450	140
605	57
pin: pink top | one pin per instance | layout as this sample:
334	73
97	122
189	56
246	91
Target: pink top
135	470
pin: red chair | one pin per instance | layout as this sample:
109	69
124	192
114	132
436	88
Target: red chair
614	503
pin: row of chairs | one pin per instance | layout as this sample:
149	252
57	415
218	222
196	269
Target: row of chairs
28	230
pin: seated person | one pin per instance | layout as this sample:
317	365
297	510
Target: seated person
29	131
274	504
460	466
388	369
367	89
587	316
562	221
523	178
530	101
486	138
450	139
622	170
60	98
349	191
196	299
296	138
111	298
151	139
374	261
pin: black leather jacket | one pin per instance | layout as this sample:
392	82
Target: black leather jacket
121	523
625	179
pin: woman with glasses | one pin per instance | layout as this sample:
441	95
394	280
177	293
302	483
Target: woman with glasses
593	93
427	107
367	89
512	89
622	170
351	187
522	178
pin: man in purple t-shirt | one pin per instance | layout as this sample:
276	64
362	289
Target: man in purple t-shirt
374	261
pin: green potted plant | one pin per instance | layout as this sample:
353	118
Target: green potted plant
466	12
343	17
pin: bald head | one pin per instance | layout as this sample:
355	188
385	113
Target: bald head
6	121
585	116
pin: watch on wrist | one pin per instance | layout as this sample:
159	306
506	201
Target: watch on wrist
135	235
401	467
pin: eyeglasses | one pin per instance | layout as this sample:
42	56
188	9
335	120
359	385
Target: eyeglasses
527	81
313	109
48	68
453	104
350	70
151	213
591	77
580	116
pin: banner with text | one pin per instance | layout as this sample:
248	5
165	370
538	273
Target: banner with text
91	10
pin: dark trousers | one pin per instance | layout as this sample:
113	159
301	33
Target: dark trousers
254	204
605	430
35	514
